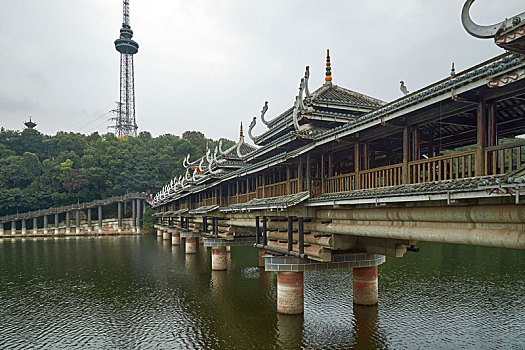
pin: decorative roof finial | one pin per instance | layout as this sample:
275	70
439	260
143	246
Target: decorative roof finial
207	147
328	78
241	134
453	71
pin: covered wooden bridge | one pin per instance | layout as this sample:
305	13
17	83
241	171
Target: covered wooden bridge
341	179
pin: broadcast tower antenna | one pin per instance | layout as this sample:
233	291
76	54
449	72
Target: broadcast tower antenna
125	124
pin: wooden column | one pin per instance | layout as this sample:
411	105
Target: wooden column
492	139
330	164
264	184
322	173
288	178
416	145
290	234
308	173
430	150
481	138
300	174
366	156
357	164
301	236
406	144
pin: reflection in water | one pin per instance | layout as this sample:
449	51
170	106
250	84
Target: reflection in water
289	331
366	330
141	292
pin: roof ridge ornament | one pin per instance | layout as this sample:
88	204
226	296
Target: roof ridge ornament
213	161
263	113
485	32
298	106
306	78
220	148
328	78
250	128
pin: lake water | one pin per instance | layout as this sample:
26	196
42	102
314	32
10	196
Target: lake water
140	292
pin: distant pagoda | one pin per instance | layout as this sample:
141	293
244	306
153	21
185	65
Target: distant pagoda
30	124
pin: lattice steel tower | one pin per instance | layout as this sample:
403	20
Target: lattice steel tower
125	124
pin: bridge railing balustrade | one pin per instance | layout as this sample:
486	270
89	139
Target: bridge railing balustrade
276	189
447	167
504	158
340	183
391	175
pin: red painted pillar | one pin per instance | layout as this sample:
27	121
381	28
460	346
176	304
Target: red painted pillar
191	245
262	252
219	258
166	235
175	239
290	293
365	285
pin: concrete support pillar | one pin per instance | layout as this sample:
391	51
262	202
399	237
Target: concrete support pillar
290	293
166	235
133	216
13	227
175	239
365	285
56	223
68	222
159	232
262	252
89	219
1	229
24	230
191	245
99	219
35	226
228	248
119	217
45	225
77	221
219	258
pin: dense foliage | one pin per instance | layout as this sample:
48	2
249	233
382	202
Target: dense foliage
39	171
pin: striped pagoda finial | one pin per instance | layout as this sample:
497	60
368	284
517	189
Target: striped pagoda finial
328	78
241	134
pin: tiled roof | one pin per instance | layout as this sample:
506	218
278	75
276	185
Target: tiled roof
341	96
281	202
203	210
231	153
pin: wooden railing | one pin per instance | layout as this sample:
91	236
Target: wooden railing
340	183
276	189
294	186
390	175
447	167
504	158
209	201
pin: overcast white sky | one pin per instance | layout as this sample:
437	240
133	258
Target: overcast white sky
208	64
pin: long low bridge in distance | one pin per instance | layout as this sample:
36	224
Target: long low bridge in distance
81	214
344	180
